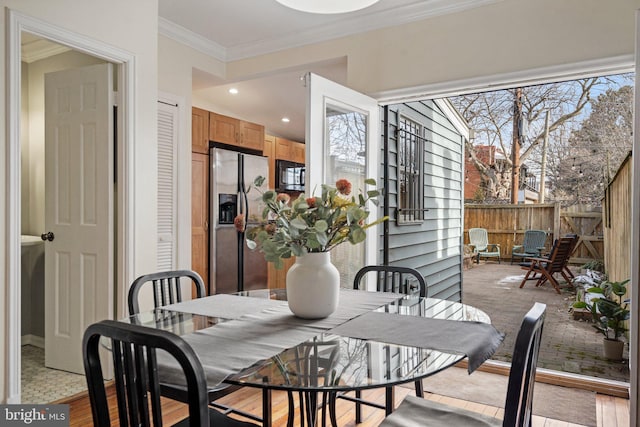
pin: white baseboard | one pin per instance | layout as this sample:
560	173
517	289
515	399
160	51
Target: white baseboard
33	340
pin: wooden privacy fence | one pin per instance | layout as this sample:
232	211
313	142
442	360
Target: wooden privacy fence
617	223
506	225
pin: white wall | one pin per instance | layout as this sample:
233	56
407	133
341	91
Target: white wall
504	37
126	25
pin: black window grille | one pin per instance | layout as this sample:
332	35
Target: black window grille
410	171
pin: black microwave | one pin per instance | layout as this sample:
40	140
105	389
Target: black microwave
289	176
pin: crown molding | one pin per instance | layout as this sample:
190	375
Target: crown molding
355	25
41	49
191	39
346	26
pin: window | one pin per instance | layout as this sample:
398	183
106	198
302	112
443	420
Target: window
410	164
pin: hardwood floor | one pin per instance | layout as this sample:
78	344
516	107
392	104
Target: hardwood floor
611	411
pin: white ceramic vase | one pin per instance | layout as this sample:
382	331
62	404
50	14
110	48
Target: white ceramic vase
313	286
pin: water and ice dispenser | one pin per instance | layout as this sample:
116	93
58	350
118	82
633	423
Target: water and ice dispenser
227	208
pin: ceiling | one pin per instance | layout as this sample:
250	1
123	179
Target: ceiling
232	30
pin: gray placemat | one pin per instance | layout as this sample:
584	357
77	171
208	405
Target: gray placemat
230	347
225	306
477	340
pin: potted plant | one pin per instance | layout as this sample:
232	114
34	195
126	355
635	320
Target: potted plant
609	311
308	228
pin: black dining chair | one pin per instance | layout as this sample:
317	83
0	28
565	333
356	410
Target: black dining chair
403	280
415	411
167	289
134	350
315	363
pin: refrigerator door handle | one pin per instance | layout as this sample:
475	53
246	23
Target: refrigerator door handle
243	200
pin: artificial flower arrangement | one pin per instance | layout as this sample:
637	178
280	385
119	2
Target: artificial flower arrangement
309	224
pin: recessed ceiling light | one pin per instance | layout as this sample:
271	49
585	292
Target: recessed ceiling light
233	91
327	6
285	120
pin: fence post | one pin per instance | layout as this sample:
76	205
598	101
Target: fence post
556	220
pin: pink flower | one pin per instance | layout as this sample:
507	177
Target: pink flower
283	197
238	222
311	202
343	186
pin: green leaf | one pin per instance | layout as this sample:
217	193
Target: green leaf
370	181
299	223
321	238
357	235
321	226
269	196
258	181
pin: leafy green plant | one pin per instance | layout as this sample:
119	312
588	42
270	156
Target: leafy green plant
310	224
609	311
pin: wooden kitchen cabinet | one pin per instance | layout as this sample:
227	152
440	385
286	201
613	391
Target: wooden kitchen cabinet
228	130
224	129
268	150
199	130
251	136
289	150
200	215
297	152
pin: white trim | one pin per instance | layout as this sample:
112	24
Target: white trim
634	324
321	92
613	65
16	23
33	340
191	39
454	117
40	49
345	26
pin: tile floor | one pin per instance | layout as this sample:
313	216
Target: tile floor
44	385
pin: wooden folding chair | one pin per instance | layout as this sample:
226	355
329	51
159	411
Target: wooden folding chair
543	269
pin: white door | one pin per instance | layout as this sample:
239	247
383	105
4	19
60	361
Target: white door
343	141
78	209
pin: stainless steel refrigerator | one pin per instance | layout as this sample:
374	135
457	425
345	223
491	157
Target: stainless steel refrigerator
233	266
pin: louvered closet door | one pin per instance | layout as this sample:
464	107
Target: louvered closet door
167	149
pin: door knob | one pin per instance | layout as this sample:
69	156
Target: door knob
47	236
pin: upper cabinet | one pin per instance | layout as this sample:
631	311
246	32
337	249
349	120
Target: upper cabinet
228	130
297	152
224	129
289	150
199	130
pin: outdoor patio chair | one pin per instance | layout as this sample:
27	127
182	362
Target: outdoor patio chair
134	349
532	245
575	238
414	411
479	239
542	269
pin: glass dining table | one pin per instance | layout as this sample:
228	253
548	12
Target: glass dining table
262	345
